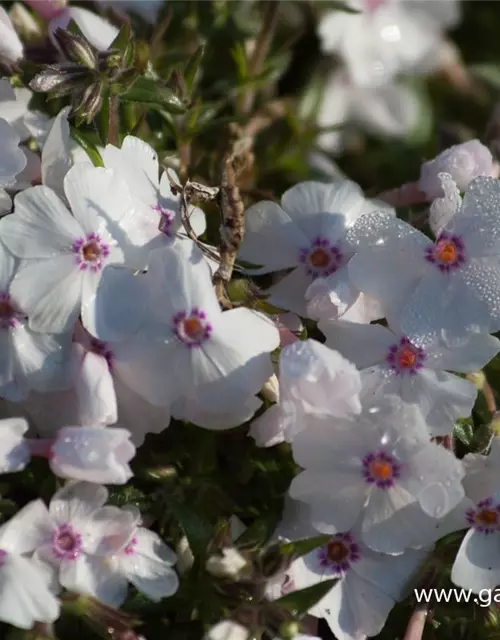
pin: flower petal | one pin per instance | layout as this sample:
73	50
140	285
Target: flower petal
26	598
149	566
226	368
49	291
477	564
290	292
363	344
94	576
271	238
76	501
40	227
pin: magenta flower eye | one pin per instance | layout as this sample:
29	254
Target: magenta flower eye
322	258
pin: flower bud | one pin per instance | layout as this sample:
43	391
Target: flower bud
185	557
76	48
289	630
271	389
228	565
463	162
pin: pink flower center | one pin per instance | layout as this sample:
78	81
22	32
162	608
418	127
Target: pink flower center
380	469
3	557
485	518
447	253
322	258
102	349
167	216
405	358
66	543
192	329
130	548
91	252
372	5
339	554
9	315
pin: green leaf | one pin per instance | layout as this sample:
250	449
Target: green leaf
198	531
464	432
192	69
490	73
339	5
87	146
122	39
299	602
299	548
148	91
257	534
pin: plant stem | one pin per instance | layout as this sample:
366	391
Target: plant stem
416	624
114	120
259	54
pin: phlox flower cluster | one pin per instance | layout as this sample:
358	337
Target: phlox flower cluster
380	45
404	317
110	328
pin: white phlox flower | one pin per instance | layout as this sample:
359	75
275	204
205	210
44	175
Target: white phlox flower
227	630
147	9
477	564
169	319
77	534
307	233
98	31
145	561
28	360
63	254
392	109
155	203
97	396
25	585
314	380
387	38
11	47
463	162
368	468
444	288
414	368
369	584
14	108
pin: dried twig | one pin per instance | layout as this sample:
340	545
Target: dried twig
259	54
233	220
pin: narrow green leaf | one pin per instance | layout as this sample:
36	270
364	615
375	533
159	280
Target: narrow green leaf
299	548
192	69
122	39
198	531
299	602
464	432
87	146
147	91
490	73
340	5
257	534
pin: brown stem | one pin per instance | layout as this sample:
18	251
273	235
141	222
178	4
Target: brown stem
416	624
404	196
259	54
185	160
114	120
489	397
